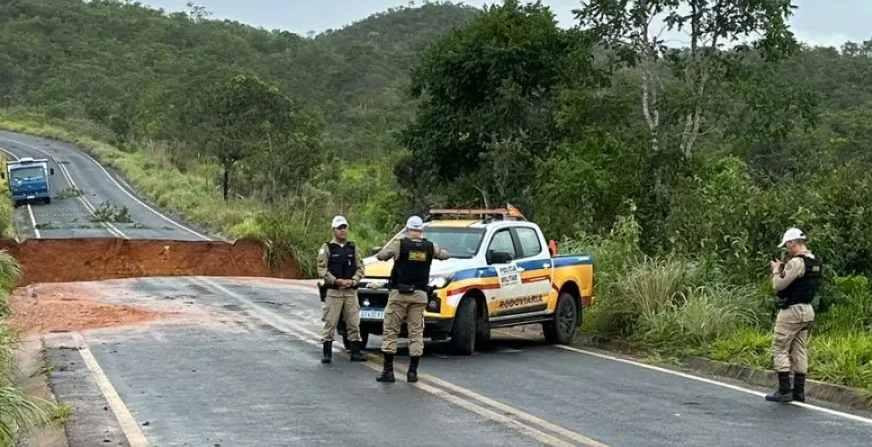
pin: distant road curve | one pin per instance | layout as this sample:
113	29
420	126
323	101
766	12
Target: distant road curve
72	217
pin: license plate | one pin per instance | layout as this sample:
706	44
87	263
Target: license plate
372	314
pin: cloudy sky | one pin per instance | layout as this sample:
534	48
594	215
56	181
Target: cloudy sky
818	22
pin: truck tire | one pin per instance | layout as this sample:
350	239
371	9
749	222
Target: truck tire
47	200
463	331
364	338
561	330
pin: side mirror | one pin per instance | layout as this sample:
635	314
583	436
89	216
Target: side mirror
51	171
374	250
499	257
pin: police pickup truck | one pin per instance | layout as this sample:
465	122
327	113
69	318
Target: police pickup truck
501	273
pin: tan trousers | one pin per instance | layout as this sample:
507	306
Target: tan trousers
344	303
790	340
409	309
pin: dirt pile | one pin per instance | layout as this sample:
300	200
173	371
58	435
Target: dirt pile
70	260
71	308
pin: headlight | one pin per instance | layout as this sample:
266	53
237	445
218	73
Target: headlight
438	282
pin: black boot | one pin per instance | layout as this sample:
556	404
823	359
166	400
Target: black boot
412	375
328	352
387	374
783	393
356	355
799	387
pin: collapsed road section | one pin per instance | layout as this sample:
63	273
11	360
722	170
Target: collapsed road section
91	259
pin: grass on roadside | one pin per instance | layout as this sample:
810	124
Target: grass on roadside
18	411
675	307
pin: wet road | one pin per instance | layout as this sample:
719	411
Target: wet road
250	375
72	216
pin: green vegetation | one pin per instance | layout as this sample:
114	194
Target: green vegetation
18	412
107	212
7	215
678	167
68	193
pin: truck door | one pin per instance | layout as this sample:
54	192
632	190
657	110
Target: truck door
535	264
501	253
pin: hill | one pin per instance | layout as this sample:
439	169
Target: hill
133	69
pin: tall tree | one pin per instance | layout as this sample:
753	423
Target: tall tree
487	94
625	26
240	115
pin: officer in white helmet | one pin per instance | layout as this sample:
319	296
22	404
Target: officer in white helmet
795	284
410	277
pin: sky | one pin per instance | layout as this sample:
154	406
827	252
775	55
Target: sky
817	22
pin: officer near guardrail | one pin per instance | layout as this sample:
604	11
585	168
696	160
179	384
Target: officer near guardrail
795	284
341	267
407	298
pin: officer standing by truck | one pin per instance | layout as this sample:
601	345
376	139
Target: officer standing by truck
341	267
795	284
408	296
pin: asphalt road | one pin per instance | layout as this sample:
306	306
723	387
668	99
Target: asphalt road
256	379
246	372
73	217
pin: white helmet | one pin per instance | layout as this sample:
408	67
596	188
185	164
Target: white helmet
791	234
415	223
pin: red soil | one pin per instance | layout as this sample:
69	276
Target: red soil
69	260
64	308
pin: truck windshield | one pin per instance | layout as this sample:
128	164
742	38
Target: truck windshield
27	173
461	243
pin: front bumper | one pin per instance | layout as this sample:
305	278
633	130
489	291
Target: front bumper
434	328
373	302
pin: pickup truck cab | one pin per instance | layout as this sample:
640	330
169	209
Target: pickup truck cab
501	273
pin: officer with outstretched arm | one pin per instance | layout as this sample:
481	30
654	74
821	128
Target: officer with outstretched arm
407	299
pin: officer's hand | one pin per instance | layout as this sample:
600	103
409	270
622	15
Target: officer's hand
776	266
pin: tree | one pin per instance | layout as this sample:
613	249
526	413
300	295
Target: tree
240	115
486	88
625	28
288	153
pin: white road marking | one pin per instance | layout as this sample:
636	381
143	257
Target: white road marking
312	338
33	221
697	378
131	430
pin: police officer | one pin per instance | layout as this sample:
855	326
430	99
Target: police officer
407	298
341	267
795	284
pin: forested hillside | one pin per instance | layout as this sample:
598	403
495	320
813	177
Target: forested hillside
679	168
136	70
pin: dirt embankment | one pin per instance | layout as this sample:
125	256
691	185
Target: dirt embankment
70	260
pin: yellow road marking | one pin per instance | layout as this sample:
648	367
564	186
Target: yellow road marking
311	337
128	425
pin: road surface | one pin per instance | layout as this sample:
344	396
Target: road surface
73	216
254	379
242	369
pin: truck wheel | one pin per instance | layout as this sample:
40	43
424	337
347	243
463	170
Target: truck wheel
364	338
463	330
561	330
47	200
